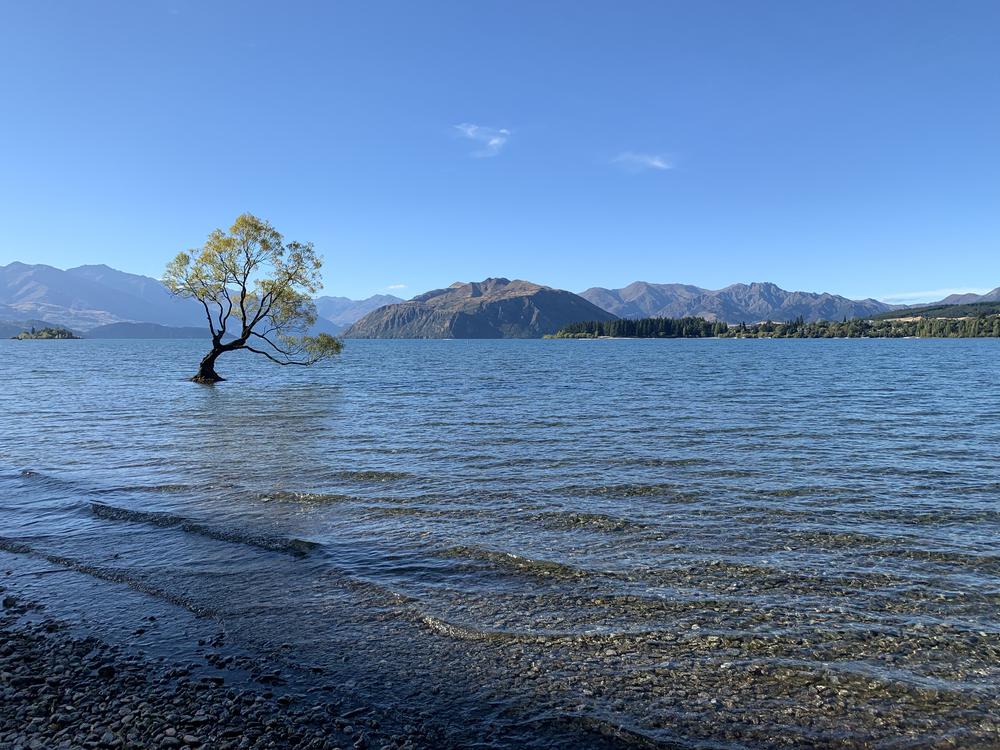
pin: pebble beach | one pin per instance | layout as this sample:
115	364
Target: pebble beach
64	690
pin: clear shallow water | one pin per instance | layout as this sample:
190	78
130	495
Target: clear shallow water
709	544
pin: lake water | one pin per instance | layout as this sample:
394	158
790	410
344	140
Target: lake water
701	543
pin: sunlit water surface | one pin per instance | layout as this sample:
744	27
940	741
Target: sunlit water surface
707	544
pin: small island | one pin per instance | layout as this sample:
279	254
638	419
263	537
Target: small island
53	332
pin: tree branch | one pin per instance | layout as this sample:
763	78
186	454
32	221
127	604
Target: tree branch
208	314
273	345
274	359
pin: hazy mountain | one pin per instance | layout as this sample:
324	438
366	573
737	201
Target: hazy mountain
7	312
494	308
344	311
86	297
55	296
965	299
90	296
161	305
734	304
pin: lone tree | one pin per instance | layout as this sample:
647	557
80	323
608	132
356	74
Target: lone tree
249	281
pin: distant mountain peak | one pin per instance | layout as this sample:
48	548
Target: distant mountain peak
344	311
965	299
492	308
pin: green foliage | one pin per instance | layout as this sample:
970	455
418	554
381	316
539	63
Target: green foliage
987	325
257	289
644	328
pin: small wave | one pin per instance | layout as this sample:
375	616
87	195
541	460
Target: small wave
46	480
155	489
932	517
115	575
305	497
474	633
661	462
518	563
735	473
804	491
593	521
466	632
54	481
297	547
598	637
631	490
989	489
373	476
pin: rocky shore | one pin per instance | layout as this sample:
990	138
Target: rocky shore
60	689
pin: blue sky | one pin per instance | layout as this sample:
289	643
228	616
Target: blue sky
851	147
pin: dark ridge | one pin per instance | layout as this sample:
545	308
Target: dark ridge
16	548
108	574
296	547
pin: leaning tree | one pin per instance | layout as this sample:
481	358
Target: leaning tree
257	295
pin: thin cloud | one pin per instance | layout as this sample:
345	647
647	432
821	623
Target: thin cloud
929	295
490	140
396	286
631	161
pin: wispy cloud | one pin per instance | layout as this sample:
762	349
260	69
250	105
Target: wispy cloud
396	286
929	295
631	161
490	140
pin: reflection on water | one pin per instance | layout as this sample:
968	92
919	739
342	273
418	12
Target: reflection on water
711	543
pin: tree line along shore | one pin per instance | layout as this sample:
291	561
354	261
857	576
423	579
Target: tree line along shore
975	326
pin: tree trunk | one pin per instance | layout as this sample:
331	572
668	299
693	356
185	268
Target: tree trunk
206	371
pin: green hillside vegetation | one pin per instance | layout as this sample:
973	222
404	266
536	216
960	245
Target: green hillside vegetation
986	326
46	333
644	328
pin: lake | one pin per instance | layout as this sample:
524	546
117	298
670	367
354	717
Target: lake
685	543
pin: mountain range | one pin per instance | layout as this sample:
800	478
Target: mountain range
739	303
112	303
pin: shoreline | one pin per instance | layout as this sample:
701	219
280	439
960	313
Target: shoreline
59	689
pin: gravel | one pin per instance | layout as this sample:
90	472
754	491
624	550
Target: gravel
62	690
